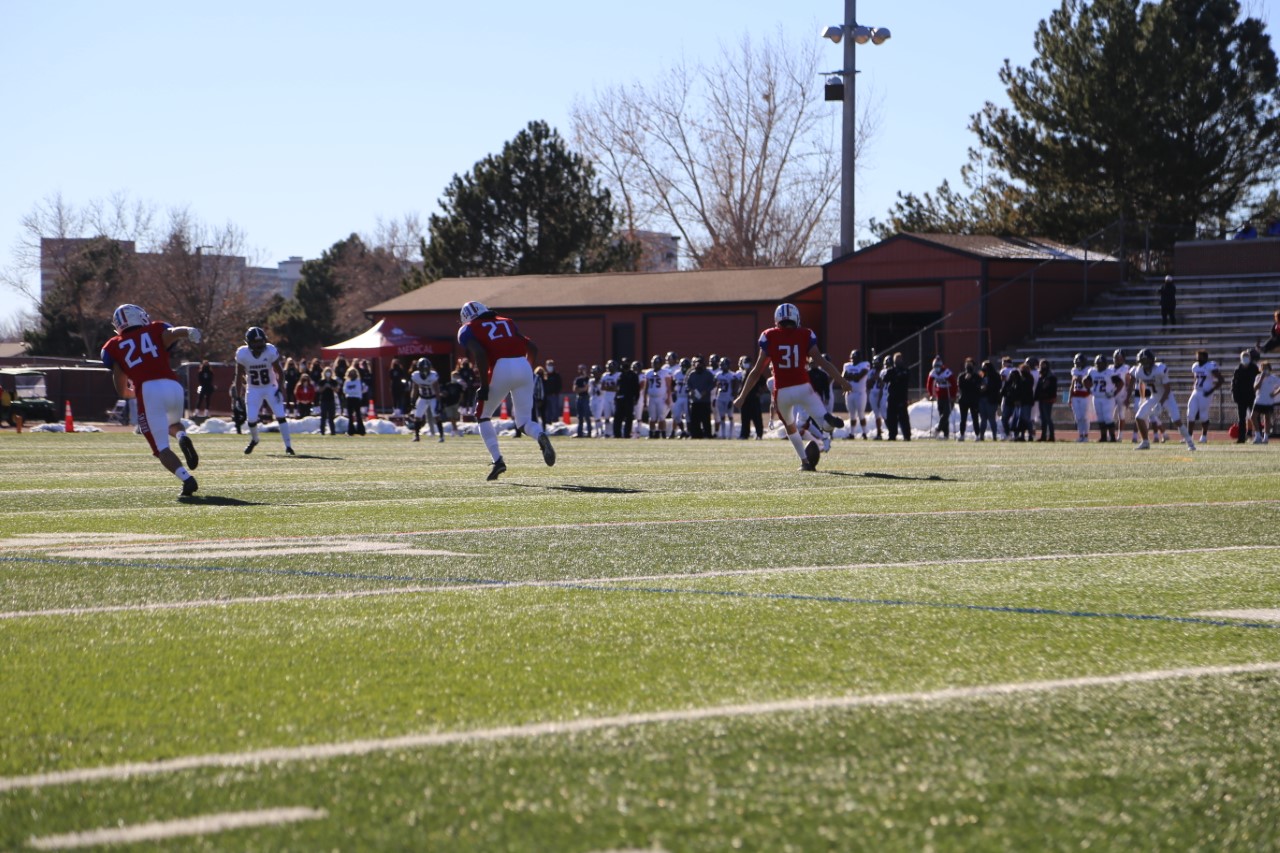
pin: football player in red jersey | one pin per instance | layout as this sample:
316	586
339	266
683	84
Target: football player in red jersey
504	363
787	347
139	353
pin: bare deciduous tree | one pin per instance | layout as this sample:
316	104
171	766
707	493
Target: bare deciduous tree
739	158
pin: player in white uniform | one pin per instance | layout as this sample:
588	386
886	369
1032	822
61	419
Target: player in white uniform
425	389
723	400
608	395
857	370
878	395
1208	379
1081	388
597	401
680	398
656	391
256	361
1155	376
1122	373
1103	387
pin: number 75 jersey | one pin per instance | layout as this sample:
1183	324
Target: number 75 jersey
788	352
258	367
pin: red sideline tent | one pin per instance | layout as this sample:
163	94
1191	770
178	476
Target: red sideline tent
381	346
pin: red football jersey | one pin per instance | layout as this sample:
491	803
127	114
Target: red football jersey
140	353
499	337
788	352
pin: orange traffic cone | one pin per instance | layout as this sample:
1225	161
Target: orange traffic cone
373	414
502	412
69	425
566	409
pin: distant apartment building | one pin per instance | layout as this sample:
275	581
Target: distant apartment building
659	252
262	282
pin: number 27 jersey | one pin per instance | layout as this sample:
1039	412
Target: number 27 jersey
788	351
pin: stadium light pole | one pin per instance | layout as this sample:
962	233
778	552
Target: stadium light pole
853	34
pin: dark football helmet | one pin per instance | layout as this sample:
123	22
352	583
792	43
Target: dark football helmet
256	338
1079	360
1146	357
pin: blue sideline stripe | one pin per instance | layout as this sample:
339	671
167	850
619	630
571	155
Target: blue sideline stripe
988	608
760	596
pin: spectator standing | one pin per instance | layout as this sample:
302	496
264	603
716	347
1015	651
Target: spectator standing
399	379
289	377
1242	393
553	393
540	407
466	376
366	376
897	381
1245	232
968	395
1012	393
701	383
625	399
941	387
304	394
1046	392
752	410
1168	302
582	391
1008	405
328	390
353	398
1266	390
451	394
991	390
204	388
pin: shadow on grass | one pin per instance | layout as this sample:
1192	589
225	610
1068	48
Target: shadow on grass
878	475
584	490
217	500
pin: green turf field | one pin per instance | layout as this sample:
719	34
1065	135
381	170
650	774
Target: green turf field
654	645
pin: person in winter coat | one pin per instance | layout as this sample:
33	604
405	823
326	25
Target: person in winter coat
1242	392
1046	393
969	396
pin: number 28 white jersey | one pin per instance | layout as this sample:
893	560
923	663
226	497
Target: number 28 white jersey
259	367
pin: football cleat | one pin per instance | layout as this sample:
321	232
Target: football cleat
805	466
1143	445
499	467
189	487
249	447
1191	445
812	453
833	421
288	451
548	452
189	452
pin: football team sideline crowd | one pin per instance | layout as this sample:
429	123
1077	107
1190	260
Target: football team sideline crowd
788	383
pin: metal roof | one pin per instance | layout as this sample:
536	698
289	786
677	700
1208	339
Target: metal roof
700	287
1010	248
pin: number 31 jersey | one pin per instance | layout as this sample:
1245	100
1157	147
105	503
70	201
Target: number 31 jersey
788	351
258	367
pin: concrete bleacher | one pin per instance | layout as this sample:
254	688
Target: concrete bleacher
1222	315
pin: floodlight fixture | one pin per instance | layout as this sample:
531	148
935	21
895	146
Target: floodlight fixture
833	33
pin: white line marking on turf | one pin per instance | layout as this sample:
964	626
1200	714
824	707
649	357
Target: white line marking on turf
1251	615
159	831
551	729
464	586
230	548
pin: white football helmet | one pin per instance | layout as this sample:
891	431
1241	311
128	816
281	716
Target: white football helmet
472	310
128	316
786	311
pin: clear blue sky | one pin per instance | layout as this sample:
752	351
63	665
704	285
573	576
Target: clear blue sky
301	122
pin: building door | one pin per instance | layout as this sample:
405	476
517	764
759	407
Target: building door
899	332
624	342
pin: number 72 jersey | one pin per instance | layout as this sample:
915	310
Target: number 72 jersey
258	368
788	352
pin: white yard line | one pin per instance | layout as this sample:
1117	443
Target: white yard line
1251	615
580	582
318	752
161	830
